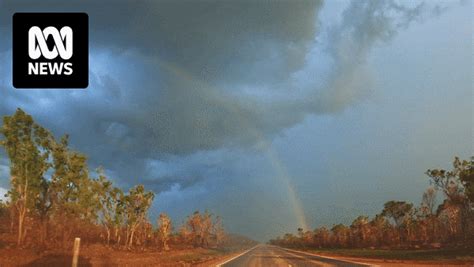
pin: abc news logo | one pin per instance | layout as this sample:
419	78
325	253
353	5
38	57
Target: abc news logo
38	47
50	50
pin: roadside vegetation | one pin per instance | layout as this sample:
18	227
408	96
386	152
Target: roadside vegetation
405	231
55	197
451	253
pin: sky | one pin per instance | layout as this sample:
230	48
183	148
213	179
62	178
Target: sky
273	115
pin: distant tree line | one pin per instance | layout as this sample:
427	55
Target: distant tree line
54	198
402	225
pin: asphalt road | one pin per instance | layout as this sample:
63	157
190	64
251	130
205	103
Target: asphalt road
265	256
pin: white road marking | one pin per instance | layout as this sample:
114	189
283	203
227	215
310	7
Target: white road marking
233	258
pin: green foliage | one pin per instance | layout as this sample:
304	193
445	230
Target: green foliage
111	205
28	147
69	192
51	184
453	183
466	176
397	210
137	203
26	144
74	191
3	208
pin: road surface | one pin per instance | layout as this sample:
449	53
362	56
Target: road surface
269	256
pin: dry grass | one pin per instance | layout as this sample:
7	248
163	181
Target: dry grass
99	255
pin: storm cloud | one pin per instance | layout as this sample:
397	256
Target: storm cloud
213	73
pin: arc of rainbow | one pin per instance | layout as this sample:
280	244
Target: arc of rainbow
272	155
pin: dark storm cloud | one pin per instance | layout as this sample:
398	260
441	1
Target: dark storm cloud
173	74
210	39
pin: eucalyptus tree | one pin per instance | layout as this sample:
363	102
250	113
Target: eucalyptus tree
110	206
397	210
27	147
165	227
456	184
360	230
449	181
341	234
321	236
194	225
219	232
75	195
137	203
71	182
466	176
206	229
381	227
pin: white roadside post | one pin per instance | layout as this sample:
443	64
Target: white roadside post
75	256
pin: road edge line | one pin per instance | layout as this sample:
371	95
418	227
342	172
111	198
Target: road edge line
332	258
235	257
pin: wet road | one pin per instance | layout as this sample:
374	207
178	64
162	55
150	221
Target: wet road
265	255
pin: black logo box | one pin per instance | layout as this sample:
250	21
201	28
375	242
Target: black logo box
79	23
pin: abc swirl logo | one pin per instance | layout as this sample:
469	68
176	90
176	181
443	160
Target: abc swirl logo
37	45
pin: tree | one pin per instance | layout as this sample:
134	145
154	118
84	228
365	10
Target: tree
360	230
429	200
185	234
456	185
466	176
71	182
206	229
111	206
200	227
321	236
400	223
397	210
137	203
194	225
448	181
380	227
341	235
27	146
219	232
74	193
3	208
43	206
164	230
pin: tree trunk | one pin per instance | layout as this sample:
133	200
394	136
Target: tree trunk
117	235
165	245
22	214
22	210
108	236
132	232
44	230
20	226
127	235
12	219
